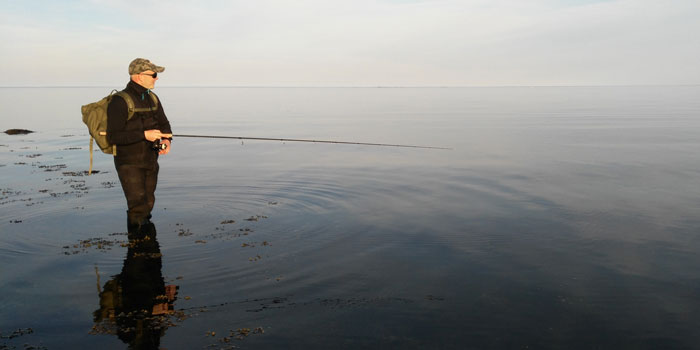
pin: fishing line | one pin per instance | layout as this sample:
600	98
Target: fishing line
308	140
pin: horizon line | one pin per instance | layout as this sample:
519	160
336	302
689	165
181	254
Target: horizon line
358	86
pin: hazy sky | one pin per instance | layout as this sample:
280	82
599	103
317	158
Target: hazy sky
352	42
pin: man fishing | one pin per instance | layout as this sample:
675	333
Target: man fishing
140	136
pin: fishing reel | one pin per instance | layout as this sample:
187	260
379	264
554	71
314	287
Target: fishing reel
158	146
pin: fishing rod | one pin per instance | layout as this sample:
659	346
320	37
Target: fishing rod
307	140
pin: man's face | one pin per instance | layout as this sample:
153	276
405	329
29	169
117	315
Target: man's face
146	79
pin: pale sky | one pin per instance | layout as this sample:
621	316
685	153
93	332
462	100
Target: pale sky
352	42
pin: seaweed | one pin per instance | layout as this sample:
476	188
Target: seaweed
18	131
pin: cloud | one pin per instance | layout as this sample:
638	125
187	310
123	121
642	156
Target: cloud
361	42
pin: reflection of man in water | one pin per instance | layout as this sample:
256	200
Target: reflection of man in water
135	301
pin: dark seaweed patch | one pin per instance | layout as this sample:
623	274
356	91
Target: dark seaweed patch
79	173
256	218
18	131
184	233
56	167
17	333
108	184
100	244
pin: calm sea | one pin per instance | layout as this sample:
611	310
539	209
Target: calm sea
562	217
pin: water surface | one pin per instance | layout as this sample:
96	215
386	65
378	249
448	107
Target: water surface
561	218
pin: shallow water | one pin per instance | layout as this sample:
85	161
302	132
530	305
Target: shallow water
561	218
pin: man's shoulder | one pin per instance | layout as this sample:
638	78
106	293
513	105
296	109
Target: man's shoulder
119	99
119	105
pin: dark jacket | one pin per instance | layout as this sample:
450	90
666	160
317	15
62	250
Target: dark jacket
132	146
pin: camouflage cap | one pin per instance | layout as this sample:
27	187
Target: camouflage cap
141	65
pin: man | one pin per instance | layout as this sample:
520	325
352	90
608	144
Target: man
136	160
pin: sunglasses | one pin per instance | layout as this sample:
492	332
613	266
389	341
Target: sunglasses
154	75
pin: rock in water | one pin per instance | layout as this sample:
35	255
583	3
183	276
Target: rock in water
18	131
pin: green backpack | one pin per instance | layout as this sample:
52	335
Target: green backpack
95	117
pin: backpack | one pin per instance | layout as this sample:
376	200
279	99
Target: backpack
95	117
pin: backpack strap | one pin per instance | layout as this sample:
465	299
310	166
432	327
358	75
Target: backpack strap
152	108
129	103
91	142
132	108
114	147
154	98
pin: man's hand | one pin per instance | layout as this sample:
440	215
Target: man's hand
153	134
166	142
